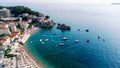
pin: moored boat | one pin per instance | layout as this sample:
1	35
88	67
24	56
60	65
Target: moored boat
41	40
44	35
61	44
46	40
76	41
64	38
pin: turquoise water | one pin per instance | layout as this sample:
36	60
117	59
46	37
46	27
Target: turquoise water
101	20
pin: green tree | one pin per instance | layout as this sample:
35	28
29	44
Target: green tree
47	17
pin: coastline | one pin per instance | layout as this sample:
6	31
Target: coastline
40	65
30	55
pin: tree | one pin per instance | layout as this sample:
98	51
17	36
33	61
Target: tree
47	17
16	10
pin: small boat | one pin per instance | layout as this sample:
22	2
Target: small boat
54	33
52	40
51	36
103	39
44	35
61	44
64	38
98	37
88	41
46	40
41	40
76	41
78	29
87	30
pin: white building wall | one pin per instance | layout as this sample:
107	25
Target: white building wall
5	31
13	27
5	12
22	25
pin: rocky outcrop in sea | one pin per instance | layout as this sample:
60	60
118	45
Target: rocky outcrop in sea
63	27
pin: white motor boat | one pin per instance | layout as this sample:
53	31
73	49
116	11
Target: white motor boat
76	41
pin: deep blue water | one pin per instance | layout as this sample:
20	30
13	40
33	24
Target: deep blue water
101	20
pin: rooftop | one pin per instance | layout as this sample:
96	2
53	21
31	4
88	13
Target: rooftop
22	33
13	34
9	18
2	40
3	28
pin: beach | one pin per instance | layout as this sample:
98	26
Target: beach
27	59
32	60
32	30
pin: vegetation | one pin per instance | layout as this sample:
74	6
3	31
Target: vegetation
4	35
8	50
18	26
31	24
20	10
10	55
47	17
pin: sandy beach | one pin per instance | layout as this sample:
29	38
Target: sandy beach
33	30
29	55
29	59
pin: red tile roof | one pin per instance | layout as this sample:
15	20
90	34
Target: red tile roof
13	34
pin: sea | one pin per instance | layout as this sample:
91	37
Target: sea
100	19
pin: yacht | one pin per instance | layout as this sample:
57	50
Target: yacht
61	44
41	40
65	38
46	40
44	35
76	41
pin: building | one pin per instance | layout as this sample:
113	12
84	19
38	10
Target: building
5	13
8	19
4	29
23	25
23	37
14	36
12	27
4	41
1	58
